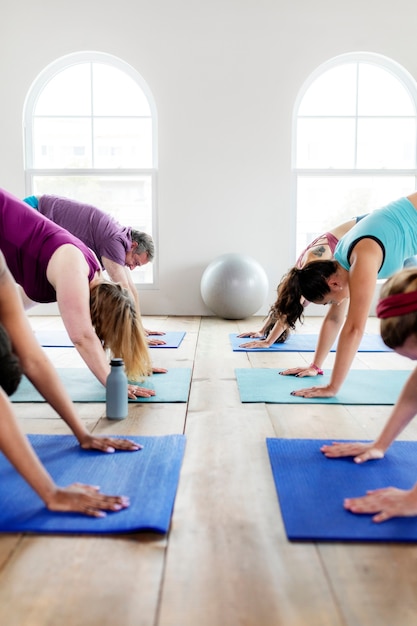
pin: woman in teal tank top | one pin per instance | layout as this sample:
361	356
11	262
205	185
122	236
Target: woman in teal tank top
374	248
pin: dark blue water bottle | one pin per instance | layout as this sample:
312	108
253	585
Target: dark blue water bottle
116	391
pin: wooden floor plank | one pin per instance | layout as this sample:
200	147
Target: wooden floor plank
226	560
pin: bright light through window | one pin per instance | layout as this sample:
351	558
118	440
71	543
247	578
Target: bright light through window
355	142
90	128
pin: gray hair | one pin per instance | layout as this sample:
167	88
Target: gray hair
145	243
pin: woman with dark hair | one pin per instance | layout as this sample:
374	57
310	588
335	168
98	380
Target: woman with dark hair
276	329
397	310
51	265
376	247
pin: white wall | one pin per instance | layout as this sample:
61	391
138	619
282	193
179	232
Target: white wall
224	75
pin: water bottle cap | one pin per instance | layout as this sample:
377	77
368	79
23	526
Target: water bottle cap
116	362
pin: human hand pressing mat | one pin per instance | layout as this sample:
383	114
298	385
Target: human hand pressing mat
311	489
360	386
59	338
303	342
83	386
149	477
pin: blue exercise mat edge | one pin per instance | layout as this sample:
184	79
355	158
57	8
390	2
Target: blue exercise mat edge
311	488
149	477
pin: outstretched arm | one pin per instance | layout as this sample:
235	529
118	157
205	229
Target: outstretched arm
329	330
76	498
269	340
403	412
366	259
68	273
121	274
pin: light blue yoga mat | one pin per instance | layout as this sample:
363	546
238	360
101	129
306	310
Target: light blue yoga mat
83	386
59	338
149	477
311	489
360	386
307	343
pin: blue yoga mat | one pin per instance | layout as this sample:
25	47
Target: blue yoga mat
83	386
60	339
360	386
311	490
149	477
307	343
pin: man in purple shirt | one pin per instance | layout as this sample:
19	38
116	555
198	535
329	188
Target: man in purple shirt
118	248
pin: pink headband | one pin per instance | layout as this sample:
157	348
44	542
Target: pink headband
397	304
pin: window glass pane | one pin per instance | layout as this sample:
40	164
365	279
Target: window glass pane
61	142
324	202
386	143
115	93
67	93
332	93
382	93
122	143
323	143
127	198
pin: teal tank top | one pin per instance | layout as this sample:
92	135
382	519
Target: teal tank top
393	227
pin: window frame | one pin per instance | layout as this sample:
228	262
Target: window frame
40	82
402	75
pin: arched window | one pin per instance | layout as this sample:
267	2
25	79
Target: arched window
354	141
90	135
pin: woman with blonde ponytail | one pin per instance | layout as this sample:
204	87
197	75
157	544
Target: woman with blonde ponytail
116	321
51	265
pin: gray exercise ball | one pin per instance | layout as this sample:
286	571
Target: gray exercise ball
234	286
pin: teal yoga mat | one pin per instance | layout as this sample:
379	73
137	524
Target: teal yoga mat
360	386
311	489
149	477
83	386
307	343
58	338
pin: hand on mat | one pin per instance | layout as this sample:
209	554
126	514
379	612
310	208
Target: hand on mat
386	503
252	334
255	344
154	332
108	444
133	391
315	392
300	372
360	451
156	342
85	499
159	370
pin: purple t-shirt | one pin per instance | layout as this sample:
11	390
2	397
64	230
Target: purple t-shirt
98	230
28	240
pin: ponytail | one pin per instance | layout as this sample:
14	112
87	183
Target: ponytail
309	282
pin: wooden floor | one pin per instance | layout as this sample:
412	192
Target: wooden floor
226	560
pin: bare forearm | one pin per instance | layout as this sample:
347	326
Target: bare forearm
327	336
92	353
402	414
19	452
44	377
276	332
347	348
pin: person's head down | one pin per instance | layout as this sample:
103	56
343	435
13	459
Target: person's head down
309	282
117	325
397	308
10	367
